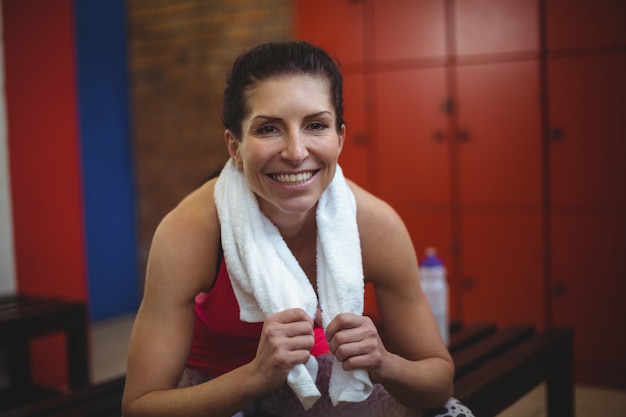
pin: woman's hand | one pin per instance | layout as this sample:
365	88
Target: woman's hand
286	340
355	342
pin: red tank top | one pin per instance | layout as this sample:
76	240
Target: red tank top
221	341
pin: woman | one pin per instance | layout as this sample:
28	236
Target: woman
191	355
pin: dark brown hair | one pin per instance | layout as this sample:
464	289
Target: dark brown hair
274	59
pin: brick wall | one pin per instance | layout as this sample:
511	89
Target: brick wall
180	53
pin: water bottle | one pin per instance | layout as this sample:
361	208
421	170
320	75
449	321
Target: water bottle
435	287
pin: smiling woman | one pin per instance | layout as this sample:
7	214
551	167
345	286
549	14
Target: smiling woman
288	135
254	293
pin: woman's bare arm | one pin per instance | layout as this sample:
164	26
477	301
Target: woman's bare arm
415	365
182	263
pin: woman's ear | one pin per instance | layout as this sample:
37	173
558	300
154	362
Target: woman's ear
342	137
232	144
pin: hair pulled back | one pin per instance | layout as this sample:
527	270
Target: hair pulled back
274	59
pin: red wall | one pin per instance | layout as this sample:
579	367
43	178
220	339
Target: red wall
44	160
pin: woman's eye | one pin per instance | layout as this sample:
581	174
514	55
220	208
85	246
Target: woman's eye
266	130
318	126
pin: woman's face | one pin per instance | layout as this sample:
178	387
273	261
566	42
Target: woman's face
289	145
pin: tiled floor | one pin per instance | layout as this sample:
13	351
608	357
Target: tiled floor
110	347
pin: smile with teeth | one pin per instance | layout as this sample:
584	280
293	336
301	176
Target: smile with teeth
293	179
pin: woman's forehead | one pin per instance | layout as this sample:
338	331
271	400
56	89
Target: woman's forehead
285	92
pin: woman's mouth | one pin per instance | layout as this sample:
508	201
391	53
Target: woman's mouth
293	179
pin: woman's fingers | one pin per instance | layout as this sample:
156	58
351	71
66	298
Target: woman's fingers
286	339
354	340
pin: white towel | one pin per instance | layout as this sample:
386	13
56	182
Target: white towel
267	278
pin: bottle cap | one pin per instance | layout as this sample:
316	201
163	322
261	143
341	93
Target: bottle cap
431	258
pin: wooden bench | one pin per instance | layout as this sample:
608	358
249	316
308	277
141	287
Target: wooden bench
23	318
101	400
494	368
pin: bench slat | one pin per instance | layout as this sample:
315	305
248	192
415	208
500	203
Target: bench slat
462	337
489	347
498	383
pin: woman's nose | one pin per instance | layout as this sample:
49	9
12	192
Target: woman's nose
295	150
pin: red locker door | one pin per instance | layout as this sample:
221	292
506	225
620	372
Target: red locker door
503	268
588	174
496	26
589	272
587	115
355	158
500	134
409	30
335	25
500	192
411	143
579	24
412	153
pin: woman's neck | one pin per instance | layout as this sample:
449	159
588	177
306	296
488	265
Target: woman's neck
294	228
300	234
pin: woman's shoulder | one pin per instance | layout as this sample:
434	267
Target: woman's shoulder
373	213
196	212
385	242
186	241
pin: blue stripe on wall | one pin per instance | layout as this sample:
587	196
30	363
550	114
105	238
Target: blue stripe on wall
108	181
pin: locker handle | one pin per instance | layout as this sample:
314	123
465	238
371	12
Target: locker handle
560	289
359	139
463	136
468	283
439	136
557	134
